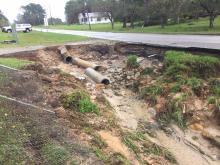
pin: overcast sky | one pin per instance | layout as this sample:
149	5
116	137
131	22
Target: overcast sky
11	8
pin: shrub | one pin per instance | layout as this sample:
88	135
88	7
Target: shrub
54	154
192	65
132	61
80	101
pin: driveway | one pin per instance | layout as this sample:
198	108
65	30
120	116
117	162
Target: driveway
179	41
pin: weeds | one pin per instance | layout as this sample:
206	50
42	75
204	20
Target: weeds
152	90
147	71
80	101
176	88
54	154
132	62
138	143
195	84
100	154
173	113
154	149
214	87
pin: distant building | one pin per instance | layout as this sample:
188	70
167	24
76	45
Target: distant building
94	18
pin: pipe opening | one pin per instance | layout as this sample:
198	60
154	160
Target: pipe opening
105	81
68	59
97	67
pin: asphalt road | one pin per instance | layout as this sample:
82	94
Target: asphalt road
179	41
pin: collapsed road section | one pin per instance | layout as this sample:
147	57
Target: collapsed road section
118	104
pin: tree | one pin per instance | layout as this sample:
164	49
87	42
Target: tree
211	7
3	19
73	8
160	9
55	21
32	13
109	8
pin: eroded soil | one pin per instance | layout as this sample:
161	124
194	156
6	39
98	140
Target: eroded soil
102	137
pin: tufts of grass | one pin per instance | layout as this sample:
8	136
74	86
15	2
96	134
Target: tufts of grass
138	143
120	159
214	86
14	62
151	91
100	154
80	101
212	100
176	88
154	149
147	71
132	61
186	64
195	84
54	154
130	140
174	114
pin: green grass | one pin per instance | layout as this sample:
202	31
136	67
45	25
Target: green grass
181	64
132	61
39	38
199	26
14	62
13	135
80	101
174	114
54	154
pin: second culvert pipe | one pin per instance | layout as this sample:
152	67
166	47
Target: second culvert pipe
85	64
96	76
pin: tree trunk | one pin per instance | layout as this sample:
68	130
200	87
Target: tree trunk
124	22
162	23
132	23
112	22
211	21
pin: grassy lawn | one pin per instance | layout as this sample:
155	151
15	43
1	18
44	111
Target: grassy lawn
193	27
39	38
14	62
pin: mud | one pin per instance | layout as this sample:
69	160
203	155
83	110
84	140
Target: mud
51	77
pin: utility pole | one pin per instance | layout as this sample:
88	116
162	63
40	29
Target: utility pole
51	18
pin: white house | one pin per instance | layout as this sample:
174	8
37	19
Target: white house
93	18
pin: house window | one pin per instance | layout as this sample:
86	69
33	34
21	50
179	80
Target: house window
91	19
85	20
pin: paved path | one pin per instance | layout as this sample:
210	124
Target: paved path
180	41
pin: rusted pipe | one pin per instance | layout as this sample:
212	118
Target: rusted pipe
96	76
65	54
85	64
